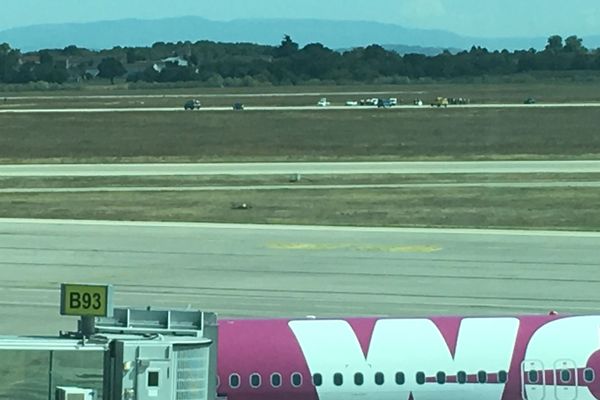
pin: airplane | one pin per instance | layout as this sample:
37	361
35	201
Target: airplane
535	357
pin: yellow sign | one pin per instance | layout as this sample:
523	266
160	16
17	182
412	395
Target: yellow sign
86	300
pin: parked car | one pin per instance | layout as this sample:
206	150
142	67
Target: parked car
192	105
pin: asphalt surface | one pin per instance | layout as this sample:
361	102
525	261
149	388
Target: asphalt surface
210	95
306	168
268	271
212	188
288	108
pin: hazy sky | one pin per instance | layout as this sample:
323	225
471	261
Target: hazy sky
466	17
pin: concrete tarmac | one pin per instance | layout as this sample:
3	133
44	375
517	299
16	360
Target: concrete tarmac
285	108
213	188
305	168
269	271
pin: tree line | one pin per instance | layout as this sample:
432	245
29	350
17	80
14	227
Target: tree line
244	64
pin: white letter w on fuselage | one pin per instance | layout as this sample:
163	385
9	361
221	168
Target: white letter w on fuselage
407	346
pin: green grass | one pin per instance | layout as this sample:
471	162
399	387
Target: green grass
543	208
431	134
549	89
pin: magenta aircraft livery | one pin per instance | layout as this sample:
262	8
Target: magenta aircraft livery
544	357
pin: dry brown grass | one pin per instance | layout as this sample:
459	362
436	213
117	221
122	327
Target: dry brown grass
429	134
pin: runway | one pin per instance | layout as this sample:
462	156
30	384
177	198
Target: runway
290	108
306	168
212	188
254	270
211	95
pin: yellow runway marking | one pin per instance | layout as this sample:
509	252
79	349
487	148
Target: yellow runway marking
355	247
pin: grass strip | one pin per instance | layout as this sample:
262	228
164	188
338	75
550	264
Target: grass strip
507	208
377	135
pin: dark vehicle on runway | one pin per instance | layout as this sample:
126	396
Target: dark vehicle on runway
192	105
529	100
238	106
385	103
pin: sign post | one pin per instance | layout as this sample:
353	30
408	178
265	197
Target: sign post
87	302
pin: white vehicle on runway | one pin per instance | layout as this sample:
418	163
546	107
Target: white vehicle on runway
323	102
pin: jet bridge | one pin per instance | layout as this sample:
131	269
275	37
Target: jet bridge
130	354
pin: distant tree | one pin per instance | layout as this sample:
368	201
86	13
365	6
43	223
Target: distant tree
131	56
46	57
71	50
287	47
9	62
555	44
573	44
111	68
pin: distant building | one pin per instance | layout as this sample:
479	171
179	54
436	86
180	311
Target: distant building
91	73
178	61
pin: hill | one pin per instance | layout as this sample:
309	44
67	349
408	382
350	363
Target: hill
333	34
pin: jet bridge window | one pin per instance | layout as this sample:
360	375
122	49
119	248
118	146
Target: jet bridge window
276	380
234	381
461	377
153	379
338	379
589	375
420	378
400	378
379	378
317	379
359	379
255	380
296	379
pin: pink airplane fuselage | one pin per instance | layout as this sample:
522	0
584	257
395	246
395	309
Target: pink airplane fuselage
549	357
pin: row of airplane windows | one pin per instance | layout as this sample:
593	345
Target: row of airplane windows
296	378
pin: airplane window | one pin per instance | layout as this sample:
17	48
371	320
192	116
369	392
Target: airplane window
565	375
589	375
533	376
276	380
379	378
420	378
441	377
461	377
234	381
296	379
482	377
255	380
358	379
317	379
338	379
502	376
399	378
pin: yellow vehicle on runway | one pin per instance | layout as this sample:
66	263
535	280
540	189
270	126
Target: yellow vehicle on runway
439	102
